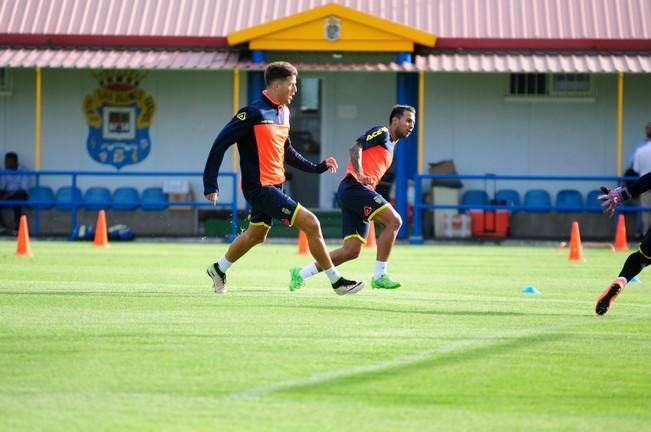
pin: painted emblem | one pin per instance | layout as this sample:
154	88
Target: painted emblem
119	114
332	28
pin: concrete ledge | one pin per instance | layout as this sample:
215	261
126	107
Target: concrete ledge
142	223
553	225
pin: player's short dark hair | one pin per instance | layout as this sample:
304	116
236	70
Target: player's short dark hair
398	110
11	155
278	71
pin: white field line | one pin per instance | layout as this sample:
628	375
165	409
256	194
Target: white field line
323	377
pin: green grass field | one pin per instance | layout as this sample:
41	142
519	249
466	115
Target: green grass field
133	338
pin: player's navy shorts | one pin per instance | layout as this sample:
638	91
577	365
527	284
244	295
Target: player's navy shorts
269	202
359	204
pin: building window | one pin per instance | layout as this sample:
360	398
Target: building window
544	85
523	84
570	84
310	93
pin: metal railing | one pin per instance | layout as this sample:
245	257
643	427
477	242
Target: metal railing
75	203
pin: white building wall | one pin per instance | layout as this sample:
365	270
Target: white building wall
354	102
191	108
468	119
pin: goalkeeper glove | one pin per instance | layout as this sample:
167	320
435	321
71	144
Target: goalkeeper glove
611	199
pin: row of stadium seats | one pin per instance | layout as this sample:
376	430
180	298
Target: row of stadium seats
95	198
538	200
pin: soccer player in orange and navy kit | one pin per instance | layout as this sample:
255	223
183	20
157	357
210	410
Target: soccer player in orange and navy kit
370	158
261	131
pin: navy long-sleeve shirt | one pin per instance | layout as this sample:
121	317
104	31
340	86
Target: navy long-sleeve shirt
261	131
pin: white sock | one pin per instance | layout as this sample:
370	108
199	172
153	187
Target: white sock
332	274
309	271
224	264
381	268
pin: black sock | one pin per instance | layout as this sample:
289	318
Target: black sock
634	265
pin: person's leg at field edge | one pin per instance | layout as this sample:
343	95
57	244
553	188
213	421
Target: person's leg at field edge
391	220
255	234
352	248
634	264
307	222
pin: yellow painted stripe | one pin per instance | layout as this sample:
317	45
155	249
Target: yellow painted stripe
236	90
620	120
260	224
37	126
236	107
341	45
378	210
357	236
421	118
291	222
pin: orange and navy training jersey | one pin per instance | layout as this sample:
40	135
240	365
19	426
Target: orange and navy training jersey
377	154
261	131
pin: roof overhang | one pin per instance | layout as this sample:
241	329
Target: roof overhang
117	59
332	27
444	61
534	62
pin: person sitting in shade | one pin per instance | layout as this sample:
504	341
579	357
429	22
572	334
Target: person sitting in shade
13	187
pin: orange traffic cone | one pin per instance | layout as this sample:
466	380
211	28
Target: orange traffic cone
370	238
576	249
101	237
22	246
302	243
620	235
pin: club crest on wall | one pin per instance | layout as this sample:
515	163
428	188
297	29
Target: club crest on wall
332	28
119	114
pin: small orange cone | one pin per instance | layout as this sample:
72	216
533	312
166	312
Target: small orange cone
621	243
22	246
302	243
370	238
576	249
101	237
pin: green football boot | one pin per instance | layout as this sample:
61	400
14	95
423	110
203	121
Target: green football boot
385	282
296	280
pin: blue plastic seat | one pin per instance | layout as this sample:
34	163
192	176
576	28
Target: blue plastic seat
153	198
474	197
41	197
125	198
569	200
66	195
592	203
97	198
538	201
510	196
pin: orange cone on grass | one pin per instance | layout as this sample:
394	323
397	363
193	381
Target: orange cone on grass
22	246
621	243
101	236
576	249
302	243
370	238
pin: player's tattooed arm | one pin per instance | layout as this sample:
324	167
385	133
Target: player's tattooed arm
356	161
356	158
